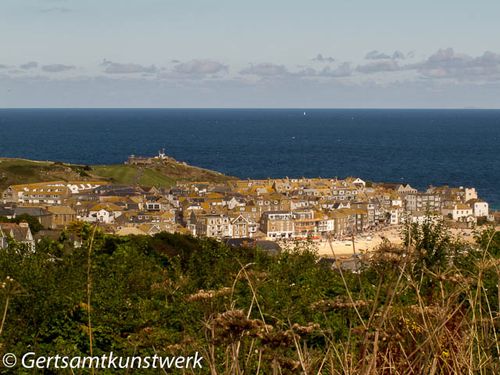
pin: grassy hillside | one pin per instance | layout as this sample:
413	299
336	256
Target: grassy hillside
161	174
16	171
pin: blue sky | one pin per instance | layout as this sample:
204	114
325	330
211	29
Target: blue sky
316	53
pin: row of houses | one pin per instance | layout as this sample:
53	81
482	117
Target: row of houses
268	208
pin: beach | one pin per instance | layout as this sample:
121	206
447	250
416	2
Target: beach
369	242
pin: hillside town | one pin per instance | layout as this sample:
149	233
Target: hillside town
316	209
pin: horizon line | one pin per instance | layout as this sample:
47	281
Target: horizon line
264	108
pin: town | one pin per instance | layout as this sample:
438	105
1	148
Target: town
315	209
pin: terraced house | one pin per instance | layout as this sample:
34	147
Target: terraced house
45	193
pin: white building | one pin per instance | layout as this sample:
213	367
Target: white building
214	225
105	213
396	213
480	209
470	193
458	212
278	224
76	187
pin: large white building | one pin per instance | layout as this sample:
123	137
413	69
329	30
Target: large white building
480	209
458	212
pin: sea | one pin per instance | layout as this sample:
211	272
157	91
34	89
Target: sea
419	147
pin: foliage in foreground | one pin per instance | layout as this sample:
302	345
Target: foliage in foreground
430	306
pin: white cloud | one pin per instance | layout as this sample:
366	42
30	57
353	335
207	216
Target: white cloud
379	66
128	68
29	65
200	68
398	55
323	59
57	68
446	63
343	70
266	70
376	55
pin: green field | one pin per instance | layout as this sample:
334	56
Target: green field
164	174
131	175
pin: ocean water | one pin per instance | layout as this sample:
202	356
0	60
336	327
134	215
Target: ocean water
420	147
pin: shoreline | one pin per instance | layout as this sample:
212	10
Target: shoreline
367	243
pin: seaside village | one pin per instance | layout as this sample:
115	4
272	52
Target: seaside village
277	210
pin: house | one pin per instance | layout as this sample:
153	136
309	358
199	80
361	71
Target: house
325	224
43	193
305	223
458	212
423	202
396	215
40	213
19	233
399	188
214	225
60	216
105	213
277	224
243	227
342	222
479	208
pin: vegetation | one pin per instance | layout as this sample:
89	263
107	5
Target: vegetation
431	306
33	222
164	174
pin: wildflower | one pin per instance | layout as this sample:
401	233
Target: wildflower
203	295
338	304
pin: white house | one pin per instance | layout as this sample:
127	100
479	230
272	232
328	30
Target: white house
105	213
458	212
277	224
480	209
214	225
396	213
326	225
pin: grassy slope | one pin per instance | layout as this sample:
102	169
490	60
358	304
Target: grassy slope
130	175
16	171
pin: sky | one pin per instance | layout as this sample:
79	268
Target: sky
258	54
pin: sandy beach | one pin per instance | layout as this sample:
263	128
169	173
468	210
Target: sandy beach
362	243
368	242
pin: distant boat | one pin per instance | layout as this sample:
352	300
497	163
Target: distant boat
305	113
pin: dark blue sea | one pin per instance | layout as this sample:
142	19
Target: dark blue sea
420	147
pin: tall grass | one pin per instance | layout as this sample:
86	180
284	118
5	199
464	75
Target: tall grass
432	318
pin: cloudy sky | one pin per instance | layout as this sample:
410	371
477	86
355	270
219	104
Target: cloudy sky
259	53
